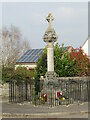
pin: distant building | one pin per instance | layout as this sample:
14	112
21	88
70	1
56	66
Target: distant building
30	57
89	28
85	47
69	49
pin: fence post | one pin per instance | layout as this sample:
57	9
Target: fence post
9	91
26	89
15	91
66	93
71	93
22	91
30	91
87	90
55	96
19	92
80	91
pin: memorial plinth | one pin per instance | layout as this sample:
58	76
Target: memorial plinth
50	37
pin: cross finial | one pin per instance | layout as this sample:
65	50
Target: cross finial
49	18
50	35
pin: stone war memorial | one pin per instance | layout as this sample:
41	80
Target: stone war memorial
54	91
50	37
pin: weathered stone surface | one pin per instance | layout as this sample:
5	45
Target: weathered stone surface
51	78
50	35
51	75
4	89
50	57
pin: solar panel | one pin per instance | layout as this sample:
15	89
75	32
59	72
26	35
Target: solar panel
27	52
29	58
31	55
37	52
19	59
25	55
36	60
32	59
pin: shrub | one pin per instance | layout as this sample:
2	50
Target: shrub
7	72
82	62
21	73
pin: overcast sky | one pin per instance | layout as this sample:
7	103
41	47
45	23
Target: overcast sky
70	23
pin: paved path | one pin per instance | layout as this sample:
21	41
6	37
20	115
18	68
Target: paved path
28	110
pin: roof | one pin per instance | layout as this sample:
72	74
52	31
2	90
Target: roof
31	56
86	41
69	48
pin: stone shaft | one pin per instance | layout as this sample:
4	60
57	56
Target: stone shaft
50	56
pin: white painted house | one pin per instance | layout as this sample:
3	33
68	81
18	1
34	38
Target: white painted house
85	47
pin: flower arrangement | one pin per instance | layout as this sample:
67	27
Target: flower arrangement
43	98
60	95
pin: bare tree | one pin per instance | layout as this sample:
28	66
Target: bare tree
13	45
25	45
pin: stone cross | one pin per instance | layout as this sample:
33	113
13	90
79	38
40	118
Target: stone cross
50	37
49	18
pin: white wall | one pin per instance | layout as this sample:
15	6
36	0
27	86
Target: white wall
85	47
31	66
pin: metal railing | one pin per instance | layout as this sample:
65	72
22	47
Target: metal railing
66	92
20	91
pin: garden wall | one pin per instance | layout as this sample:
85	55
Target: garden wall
4	89
73	78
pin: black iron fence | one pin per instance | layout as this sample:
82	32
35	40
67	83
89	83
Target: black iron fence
21	91
66	92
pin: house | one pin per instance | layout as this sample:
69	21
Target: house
69	49
30	58
85	47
